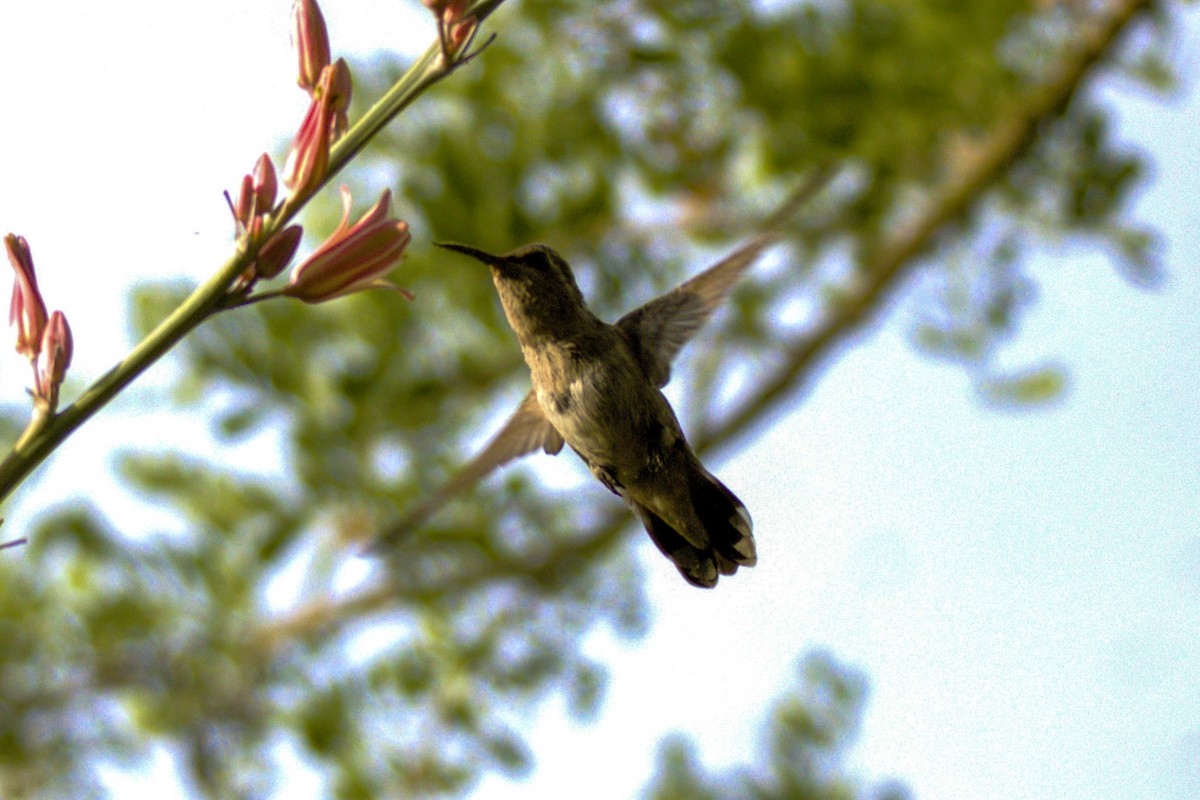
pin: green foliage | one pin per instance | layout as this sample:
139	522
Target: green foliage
807	740
635	137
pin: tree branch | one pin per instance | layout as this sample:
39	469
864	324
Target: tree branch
974	173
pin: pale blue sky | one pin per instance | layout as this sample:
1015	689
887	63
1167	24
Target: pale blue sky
1021	588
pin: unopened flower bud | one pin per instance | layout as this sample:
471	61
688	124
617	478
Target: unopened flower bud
54	359
277	252
265	185
243	206
26	310
311	41
255	199
462	31
354	257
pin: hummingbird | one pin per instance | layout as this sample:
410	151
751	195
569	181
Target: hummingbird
597	389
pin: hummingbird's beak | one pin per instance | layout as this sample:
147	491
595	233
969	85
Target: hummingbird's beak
478	255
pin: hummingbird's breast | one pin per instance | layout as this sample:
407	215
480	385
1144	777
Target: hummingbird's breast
598	398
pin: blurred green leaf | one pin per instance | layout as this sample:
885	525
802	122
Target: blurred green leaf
1035	386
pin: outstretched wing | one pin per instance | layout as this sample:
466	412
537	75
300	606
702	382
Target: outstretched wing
660	328
527	430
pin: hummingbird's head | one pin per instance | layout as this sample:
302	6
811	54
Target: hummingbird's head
536	287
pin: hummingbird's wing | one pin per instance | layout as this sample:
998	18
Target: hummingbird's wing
658	330
527	430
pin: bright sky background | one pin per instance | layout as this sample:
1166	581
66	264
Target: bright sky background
1021	588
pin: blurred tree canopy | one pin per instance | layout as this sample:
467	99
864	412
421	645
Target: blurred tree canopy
809	732
641	139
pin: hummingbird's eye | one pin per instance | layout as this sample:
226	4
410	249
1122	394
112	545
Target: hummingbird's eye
538	260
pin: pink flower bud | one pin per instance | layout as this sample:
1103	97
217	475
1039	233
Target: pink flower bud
341	89
54	359
311	41
308	158
27	310
265	185
454	29
354	257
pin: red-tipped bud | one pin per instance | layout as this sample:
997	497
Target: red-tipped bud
311	41
243	206
308	158
354	257
26	310
462	30
54	359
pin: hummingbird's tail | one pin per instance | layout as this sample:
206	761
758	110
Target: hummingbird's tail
727	529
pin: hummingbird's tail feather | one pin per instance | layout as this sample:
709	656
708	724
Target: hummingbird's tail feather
697	565
730	530
727	531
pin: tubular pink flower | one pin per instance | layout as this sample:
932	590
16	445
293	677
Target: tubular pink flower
355	257
311	41
308	158
26	310
54	359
